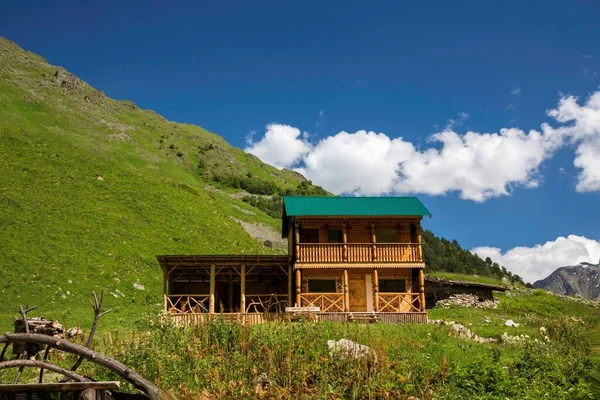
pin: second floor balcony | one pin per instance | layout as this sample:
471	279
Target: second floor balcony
358	252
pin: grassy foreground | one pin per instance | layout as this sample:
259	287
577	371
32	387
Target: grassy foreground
223	361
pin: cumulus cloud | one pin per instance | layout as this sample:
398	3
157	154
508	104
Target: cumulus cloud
281	146
539	261
584	131
478	166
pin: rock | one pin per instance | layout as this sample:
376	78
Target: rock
138	286
77	331
510	322
345	348
466	300
261	382
459	330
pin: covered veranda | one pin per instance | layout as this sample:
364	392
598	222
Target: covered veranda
248	287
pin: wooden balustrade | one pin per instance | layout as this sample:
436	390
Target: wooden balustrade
259	303
400	302
187	303
358	252
327	302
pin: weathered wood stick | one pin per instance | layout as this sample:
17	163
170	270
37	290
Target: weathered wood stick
97	305
41	364
115	366
45	358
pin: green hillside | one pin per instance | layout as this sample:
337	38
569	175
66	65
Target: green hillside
92	188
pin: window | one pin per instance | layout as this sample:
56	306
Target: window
392	285
321	286
334	236
386	235
309	235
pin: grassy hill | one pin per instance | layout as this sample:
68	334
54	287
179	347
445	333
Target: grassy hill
91	189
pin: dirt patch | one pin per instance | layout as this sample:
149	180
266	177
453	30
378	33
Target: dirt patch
263	233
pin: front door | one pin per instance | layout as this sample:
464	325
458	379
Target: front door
357	289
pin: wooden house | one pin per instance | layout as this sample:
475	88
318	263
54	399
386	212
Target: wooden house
348	258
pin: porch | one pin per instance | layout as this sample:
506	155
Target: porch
255	289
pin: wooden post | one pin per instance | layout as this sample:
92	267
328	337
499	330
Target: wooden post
243	290
374	241
346	292
422	289
289	301
298	288
297	239
376	290
165	290
420	248
211	299
345	240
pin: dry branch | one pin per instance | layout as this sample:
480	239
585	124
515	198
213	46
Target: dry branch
115	366
41	364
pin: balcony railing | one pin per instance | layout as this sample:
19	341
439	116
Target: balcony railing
399	302
327	302
187	303
266	303
359	252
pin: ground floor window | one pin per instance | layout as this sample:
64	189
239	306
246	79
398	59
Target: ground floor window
321	286
392	285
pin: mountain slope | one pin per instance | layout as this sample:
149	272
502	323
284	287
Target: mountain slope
92	188
582	279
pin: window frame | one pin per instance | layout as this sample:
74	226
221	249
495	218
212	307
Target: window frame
303	234
381	288
339	232
309	280
389	229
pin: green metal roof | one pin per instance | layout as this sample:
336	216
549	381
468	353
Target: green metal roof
349	207
352	206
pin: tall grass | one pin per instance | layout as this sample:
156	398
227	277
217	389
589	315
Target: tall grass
225	361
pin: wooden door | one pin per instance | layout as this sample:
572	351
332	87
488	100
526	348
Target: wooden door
357	289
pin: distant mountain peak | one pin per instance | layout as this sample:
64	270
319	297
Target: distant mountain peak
582	279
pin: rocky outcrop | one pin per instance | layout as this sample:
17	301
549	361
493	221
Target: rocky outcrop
580	280
467	300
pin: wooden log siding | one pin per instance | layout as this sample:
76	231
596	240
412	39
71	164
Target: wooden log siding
358	252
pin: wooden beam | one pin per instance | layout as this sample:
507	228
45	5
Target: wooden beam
375	290
345	240
422	289
243	289
290	282
346	292
297	239
298	288
211	299
374	241
165	288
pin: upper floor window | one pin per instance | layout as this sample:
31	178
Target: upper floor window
386	235
334	236
309	235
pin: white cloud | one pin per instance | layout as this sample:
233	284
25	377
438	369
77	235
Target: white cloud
478	166
584	131
282	146
516	91
539	261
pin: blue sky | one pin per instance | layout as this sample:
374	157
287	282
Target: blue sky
395	69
